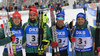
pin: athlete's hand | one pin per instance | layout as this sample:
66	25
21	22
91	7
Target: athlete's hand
72	39
12	38
54	44
98	48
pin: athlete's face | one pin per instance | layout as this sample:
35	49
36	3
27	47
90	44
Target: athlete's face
80	21
60	21
32	17
16	21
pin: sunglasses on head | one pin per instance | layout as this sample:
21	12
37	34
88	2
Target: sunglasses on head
60	18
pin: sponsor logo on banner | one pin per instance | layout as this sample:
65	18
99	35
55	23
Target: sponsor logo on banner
91	9
94	23
92	6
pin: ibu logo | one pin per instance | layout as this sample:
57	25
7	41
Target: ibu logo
80	32
33	29
17	32
60	33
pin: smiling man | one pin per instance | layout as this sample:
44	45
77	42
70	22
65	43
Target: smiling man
62	35
30	33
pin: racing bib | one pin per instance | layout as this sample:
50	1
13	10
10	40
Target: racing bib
18	41
32	40
83	44
62	43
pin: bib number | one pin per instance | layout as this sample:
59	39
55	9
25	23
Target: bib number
33	38
62	42
18	41
81	41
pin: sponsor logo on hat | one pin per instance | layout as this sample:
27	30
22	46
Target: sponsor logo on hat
60	14
32	12
80	15
16	15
